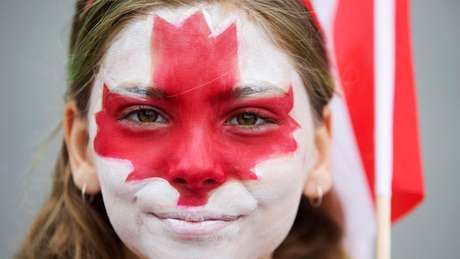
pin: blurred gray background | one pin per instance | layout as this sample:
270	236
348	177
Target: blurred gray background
33	45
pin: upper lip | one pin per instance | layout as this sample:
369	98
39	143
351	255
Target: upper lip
195	215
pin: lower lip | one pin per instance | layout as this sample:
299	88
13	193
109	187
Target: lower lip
194	230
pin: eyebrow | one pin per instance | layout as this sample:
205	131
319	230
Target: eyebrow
240	91
259	88
142	92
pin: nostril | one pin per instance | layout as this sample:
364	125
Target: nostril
179	181
209	181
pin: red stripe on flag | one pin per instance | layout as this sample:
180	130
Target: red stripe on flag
354	51
354	46
408	187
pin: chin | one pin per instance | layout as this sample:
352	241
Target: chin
236	240
162	239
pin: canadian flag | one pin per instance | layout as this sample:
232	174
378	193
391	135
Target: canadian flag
376	146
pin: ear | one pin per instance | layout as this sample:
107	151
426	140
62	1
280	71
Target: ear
319	180
76	138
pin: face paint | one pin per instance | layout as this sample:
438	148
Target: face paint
194	179
197	150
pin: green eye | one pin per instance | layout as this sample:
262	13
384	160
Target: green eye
145	115
247	119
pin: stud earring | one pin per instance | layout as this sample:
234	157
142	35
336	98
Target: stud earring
316	202
83	191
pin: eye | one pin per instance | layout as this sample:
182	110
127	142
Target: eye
143	115
249	120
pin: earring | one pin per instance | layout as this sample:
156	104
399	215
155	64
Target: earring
316	202
83	191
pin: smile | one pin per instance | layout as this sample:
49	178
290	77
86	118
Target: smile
192	225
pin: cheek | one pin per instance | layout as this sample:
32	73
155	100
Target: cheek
112	175
282	179
117	198
279	189
111	172
126	204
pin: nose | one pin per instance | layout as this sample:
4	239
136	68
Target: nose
197	181
195	169
194	183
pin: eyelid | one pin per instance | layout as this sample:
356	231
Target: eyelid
260	112
131	109
270	120
124	118
265	121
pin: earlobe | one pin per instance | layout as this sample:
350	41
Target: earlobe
76	139
319	180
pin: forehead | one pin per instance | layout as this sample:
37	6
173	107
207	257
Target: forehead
128	61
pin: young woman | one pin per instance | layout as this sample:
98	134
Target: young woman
193	129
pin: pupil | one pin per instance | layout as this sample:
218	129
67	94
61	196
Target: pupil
247	119
147	116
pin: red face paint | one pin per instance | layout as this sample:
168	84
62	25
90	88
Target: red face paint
196	151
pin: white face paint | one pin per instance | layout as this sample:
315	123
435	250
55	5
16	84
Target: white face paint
241	218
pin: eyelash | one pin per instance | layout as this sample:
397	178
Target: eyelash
132	115
260	121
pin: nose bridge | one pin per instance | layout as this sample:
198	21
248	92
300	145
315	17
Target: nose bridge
196	168
199	139
196	148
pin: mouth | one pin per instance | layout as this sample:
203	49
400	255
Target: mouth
195	224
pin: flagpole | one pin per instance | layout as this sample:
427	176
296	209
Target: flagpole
384	74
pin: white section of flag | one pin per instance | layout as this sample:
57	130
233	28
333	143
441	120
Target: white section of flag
384	71
351	185
349	177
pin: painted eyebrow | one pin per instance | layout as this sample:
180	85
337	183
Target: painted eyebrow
249	90
142	92
241	91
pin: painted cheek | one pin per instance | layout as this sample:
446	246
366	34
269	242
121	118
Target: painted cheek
195	152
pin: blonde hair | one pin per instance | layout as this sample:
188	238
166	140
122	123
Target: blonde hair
68	226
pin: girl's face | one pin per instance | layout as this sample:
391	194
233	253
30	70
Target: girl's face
202	136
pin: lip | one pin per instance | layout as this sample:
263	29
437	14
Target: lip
195	216
195	224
